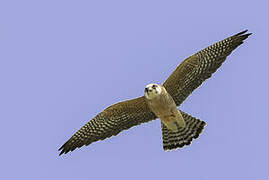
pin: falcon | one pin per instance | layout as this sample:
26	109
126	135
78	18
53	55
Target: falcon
161	101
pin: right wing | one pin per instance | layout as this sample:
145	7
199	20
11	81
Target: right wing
193	71
110	122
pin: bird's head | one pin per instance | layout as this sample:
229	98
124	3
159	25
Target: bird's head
152	91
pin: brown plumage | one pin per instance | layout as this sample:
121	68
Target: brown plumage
110	122
164	107
173	140
197	68
188	76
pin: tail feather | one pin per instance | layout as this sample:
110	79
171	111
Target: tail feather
184	136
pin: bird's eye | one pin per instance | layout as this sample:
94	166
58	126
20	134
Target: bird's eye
153	86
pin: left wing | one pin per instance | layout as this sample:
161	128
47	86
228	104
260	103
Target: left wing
193	71
110	122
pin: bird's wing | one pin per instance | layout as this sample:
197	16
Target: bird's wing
191	73
110	122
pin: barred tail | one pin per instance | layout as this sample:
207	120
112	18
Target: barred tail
173	140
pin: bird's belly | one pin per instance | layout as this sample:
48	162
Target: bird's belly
164	108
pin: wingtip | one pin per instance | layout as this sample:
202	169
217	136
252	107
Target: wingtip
60	148
242	33
63	149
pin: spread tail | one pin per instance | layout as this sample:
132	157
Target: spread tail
184	136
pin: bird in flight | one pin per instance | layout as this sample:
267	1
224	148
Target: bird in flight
161	101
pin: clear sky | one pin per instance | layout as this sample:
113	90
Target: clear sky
62	62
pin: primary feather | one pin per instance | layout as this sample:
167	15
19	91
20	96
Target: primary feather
110	122
194	70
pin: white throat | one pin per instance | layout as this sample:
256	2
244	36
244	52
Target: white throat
152	91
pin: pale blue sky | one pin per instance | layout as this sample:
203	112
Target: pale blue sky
62	62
